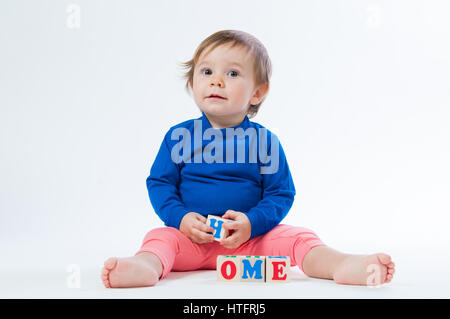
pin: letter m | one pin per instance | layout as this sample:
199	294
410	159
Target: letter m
250	271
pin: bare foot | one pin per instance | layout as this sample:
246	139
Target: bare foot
370	270
138	271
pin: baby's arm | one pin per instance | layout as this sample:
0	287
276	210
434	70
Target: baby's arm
162	186
277	198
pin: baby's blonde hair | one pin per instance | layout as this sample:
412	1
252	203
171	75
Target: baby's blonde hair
262	65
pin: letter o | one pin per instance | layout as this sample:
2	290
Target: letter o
223	269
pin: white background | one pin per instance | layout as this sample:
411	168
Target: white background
360	99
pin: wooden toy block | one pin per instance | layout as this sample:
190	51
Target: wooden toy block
253	268
278	269
228	268
216	222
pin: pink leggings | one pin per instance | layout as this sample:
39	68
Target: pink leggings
178	253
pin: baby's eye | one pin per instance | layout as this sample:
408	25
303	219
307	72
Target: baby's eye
202	71
234	73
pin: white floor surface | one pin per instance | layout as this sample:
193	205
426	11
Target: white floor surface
414	278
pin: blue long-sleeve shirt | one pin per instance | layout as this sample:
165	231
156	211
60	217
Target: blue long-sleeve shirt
190	175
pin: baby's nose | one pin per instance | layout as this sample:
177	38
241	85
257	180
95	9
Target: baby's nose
216	82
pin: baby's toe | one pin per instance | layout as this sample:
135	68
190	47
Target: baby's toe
388	278
105	277
384	259
110	263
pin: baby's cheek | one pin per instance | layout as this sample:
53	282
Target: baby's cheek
240	92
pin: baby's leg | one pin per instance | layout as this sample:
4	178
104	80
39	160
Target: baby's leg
162	250
327	263
317	260
141	270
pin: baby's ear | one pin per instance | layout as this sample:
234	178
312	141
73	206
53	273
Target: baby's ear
259	93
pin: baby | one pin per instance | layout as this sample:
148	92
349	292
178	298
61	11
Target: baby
229	77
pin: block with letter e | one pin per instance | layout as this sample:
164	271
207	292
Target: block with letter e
278	269
216	223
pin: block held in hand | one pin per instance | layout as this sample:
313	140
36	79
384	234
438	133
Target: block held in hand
216	223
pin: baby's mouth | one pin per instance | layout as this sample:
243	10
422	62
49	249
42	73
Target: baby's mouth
215	96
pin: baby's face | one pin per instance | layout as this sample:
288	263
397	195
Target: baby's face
227	72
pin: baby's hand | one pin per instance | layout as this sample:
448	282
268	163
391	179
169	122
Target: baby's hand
193	225
241	226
